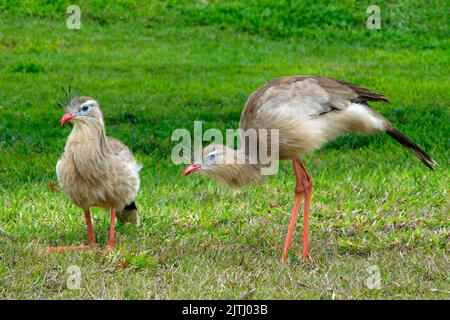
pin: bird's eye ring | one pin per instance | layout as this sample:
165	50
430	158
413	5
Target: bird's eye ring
85	108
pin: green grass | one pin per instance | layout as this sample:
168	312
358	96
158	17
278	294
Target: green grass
156	67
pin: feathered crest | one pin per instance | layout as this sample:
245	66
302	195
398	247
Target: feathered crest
68	95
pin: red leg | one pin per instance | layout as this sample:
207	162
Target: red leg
303	187
111	243
308	194
294	214
87	217
92	243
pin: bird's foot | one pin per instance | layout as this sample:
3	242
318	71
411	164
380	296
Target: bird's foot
284	258
109	247
91	245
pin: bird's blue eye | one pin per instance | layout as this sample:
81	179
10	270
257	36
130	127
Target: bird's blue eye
210	159
85	108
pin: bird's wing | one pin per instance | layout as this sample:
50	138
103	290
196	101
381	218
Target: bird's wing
120	150
309	95
118	147
342	90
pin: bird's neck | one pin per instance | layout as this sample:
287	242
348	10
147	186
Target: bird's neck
88	139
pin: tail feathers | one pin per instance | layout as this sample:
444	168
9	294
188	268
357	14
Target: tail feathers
411	145
129	214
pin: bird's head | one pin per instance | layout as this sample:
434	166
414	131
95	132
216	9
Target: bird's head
213	159
227	166
82	110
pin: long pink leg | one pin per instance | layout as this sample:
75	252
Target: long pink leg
92	243
303	187
111	244
308	194
294	214
87	217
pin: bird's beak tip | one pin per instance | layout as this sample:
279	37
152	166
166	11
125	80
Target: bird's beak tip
66	117
190	169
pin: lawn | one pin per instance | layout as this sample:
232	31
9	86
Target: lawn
159	66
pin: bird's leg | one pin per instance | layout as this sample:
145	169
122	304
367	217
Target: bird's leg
302	188
92	243
307	182
111	243
295	209
87	217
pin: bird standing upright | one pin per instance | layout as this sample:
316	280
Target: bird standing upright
307	111
96	170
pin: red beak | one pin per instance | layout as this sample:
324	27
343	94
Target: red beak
67	117
190	169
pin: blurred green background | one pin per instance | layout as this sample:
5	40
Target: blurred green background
156	66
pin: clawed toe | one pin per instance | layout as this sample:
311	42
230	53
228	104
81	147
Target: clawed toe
109	248
72	248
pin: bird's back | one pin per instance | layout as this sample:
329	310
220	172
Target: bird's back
305	95
308	111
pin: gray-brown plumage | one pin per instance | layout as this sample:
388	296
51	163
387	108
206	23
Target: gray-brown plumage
235	171
96	170
308	112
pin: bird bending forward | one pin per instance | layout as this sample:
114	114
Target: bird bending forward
308	112
96	170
